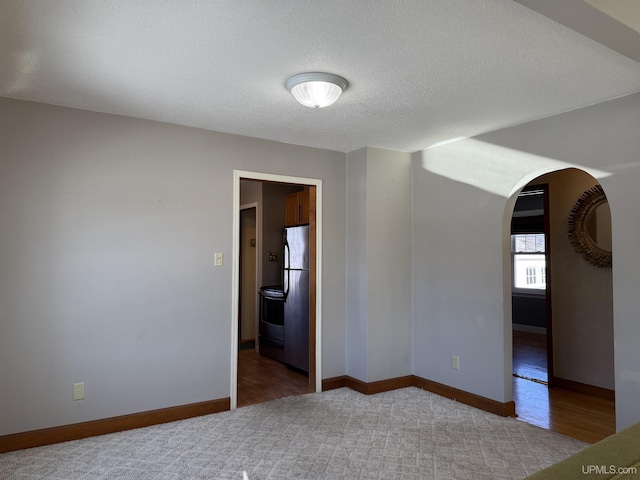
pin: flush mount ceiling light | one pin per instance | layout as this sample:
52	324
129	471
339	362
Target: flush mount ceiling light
316	90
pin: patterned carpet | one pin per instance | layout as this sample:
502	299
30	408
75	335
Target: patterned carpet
340	434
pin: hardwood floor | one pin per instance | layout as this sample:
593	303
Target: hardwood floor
261	379
530	356
576	415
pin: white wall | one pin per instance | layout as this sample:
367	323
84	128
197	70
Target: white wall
463	199
108	226
379	264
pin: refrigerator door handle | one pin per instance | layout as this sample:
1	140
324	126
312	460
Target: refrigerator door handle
287	259
286	284
285	247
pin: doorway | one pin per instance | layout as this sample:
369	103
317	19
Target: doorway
573	330
247	307
530	291
268	244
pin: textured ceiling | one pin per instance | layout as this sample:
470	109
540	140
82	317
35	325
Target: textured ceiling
420	72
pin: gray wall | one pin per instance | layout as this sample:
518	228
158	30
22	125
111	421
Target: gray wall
108	226
464	194
357	327
108	229
379	264
388	250
457	278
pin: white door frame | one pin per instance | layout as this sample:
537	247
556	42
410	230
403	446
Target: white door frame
235	270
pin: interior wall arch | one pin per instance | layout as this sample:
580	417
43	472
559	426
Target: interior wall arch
581	293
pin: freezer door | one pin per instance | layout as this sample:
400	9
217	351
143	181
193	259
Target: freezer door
296	247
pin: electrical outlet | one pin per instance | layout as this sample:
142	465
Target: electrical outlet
455	362
218	259
78	391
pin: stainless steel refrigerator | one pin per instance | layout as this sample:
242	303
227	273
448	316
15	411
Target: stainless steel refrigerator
296	296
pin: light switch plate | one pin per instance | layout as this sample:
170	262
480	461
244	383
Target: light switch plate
218	259
455	362
78	391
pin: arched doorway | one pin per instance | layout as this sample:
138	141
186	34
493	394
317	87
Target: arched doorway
578	310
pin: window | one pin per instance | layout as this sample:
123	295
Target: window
529	262
531	275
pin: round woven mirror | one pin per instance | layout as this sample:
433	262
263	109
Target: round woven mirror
579	232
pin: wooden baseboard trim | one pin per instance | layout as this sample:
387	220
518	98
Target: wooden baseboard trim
76	431
333	383
357	385
48	436
370	388
506	409
583	388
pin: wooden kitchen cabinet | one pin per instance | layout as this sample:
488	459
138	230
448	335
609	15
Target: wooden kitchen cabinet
296	208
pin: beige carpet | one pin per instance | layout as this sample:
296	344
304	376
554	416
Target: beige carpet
340	434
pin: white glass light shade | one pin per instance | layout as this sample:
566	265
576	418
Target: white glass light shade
316	94
316	90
